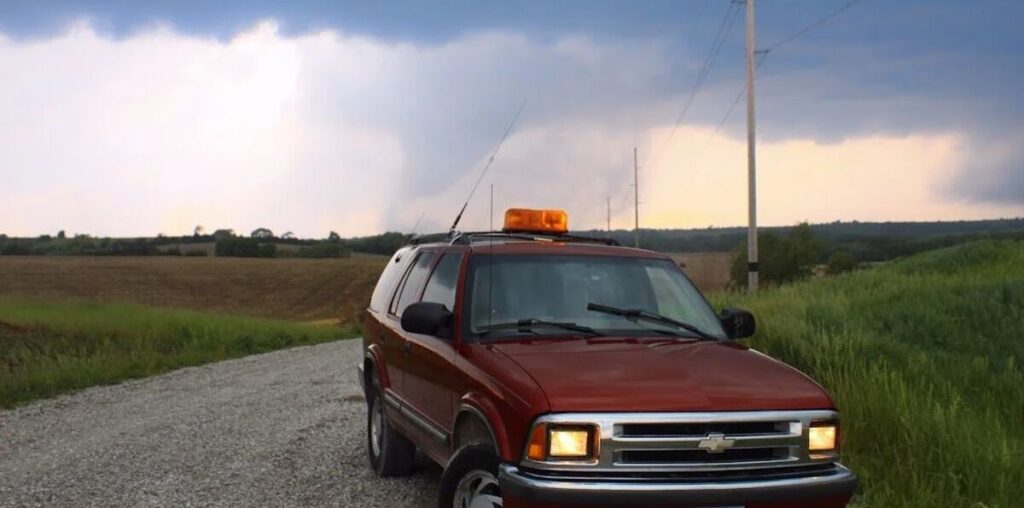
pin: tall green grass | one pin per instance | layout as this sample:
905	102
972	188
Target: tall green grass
47	348
923	357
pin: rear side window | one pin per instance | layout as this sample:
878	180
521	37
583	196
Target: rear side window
412	283
388	278
441	286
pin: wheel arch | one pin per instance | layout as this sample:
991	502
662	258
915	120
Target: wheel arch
373	365
478	419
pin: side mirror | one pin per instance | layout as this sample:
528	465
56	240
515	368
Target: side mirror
738	323
428	318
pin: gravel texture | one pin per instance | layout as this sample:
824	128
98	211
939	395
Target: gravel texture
279	429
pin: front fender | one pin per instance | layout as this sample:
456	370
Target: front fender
484	408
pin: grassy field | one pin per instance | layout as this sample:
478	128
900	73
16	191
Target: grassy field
50	348
709	271
923	357
292	289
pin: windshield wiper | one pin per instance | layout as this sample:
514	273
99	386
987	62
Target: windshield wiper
640	314
530	323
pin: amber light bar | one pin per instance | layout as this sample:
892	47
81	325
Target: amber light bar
524	220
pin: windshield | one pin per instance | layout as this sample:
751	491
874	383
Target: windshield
507	289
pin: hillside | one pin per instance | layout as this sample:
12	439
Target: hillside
867	241
923	357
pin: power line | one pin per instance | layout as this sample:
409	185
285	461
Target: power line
723	31
763	54
724	28
739	96
821	21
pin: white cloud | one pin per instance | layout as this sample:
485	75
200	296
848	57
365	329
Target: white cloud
161	131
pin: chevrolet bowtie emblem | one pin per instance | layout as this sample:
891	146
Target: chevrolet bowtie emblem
715	443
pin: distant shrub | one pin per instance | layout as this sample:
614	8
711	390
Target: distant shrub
16	249
841	262
241	247
385	244
324	250
781	258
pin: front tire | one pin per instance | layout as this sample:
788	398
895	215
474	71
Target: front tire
471	480
391	454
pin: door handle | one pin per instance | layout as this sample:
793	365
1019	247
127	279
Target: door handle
407	348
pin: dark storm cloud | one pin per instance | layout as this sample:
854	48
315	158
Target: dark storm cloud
881	67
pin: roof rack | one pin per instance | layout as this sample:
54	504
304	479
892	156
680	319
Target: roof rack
468	237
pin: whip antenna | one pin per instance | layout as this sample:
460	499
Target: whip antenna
487	166
415	227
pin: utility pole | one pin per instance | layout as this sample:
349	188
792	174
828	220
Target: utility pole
751	157
492	207
608	199
636	200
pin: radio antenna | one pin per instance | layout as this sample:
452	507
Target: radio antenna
416	226
487	166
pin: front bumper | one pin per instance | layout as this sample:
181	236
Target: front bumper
836	486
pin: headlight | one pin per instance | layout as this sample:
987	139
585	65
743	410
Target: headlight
569	443
823	437
562	442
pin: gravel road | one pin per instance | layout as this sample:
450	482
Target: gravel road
279	429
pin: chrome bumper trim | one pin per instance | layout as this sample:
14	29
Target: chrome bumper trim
840	482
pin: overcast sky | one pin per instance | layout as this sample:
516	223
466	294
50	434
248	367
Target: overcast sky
136	118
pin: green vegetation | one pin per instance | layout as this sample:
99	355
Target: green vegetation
241	247
866	241
224	242
782	258
54	347
923	357
840	262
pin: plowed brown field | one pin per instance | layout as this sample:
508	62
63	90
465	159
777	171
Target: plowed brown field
294	289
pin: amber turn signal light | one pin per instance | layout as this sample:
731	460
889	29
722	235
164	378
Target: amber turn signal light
523	220
536	448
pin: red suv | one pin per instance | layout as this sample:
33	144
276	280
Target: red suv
541	369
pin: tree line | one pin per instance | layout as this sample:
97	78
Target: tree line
838	244
261	243
864	241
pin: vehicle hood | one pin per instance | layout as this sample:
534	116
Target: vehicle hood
654	374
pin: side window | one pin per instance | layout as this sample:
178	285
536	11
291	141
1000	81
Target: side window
412	283
441	286
386	283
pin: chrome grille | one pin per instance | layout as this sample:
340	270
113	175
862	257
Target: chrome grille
677	456
700	428
694	442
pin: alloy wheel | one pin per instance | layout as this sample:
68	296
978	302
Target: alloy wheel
478	489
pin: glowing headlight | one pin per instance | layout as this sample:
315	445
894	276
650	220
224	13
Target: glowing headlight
822	437
569	443
562	442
